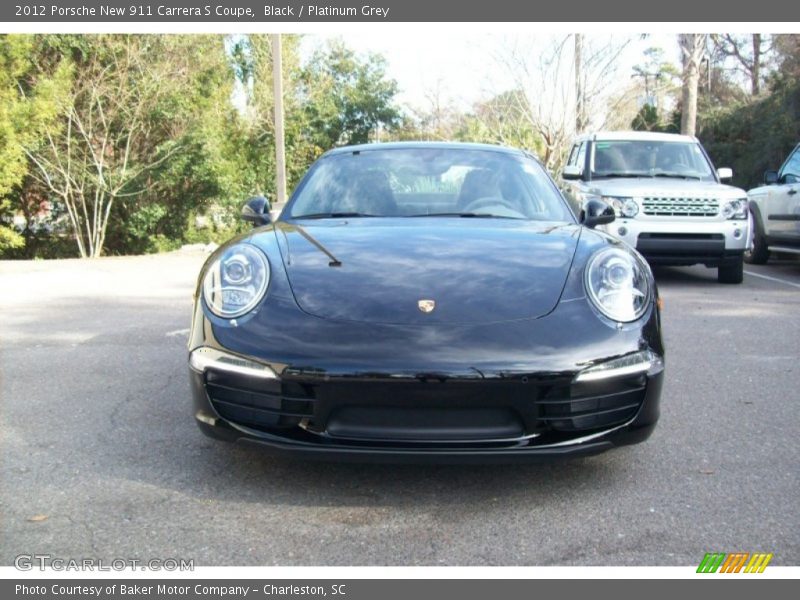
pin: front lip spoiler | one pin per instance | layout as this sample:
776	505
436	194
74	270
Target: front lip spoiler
411	455
586	446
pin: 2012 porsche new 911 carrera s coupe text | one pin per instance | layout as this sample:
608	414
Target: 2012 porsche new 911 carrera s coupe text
427	302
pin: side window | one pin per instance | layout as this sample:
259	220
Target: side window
573	156
581	159
790	172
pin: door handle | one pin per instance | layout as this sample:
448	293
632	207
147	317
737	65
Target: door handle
792	192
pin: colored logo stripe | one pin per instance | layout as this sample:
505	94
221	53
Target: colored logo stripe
734	562
711	562
758	563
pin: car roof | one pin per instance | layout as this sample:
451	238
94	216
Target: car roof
428	145
645	136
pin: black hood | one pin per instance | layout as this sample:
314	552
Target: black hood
475	270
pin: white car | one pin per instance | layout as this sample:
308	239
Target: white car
775	207
669	200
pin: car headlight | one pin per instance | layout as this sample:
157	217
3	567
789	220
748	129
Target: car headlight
735	209
236	281
617	284
624	207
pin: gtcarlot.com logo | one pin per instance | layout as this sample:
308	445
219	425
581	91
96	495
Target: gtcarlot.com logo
28	562
737	562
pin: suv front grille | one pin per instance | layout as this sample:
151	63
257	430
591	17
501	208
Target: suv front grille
681	207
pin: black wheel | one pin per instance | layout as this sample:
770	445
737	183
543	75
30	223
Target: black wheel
759	253
732	272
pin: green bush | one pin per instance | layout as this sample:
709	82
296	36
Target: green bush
10	240
161	243
216	233
755	137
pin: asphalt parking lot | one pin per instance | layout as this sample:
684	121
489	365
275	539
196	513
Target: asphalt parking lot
101	457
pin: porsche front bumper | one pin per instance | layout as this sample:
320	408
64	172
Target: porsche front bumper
426	417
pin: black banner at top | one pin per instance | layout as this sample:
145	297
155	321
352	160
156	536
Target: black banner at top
305	11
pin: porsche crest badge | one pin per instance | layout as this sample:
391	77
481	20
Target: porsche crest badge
426	306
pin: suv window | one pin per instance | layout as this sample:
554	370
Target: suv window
581	158
644	158
790	172
573	155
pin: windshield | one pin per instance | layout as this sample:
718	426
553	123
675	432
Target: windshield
624	158
422	182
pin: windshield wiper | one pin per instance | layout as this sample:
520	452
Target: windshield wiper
333	215
619	174
677	175
464	215
334	262
648	175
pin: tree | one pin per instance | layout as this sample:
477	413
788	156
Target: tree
29	103
336	97
543	97
96	156
566	84
135	105
661	79
787	50
440	119
693	48
757	135
581	117
210	168
501	120
348	99
647	119
749	52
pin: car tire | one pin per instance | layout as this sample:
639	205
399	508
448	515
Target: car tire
732	272
759	253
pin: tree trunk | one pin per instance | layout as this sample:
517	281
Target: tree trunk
692	49
580	103
756	72
691	77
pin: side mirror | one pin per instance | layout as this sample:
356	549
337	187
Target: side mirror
572	172
256	211
596	212
724	173
770	177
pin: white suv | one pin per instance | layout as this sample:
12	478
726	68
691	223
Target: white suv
667	196
775	207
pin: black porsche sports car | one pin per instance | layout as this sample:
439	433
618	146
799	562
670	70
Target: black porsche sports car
427	301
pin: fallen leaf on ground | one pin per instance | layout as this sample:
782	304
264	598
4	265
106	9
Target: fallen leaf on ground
37	518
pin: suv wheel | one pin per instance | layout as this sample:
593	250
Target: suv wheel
732	272
759	254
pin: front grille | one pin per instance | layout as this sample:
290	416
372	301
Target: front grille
544	410
591	412
425	424
258	405
680	207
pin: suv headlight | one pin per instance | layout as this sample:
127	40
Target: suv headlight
624	207
735	209
617	284
236	281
